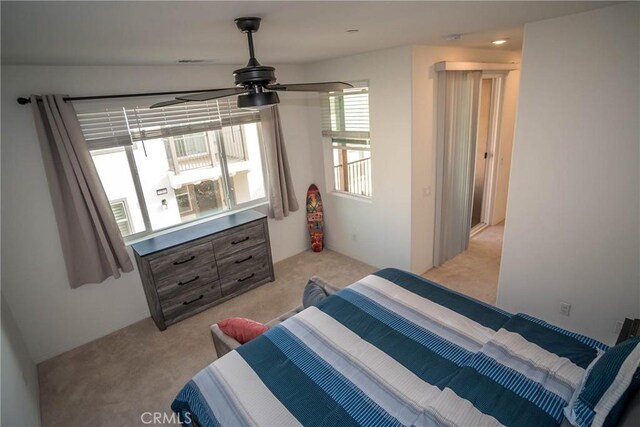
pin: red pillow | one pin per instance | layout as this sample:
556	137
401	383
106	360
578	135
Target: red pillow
241	329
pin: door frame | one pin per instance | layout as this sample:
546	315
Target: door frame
494	70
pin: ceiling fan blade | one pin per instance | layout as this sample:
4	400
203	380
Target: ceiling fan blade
167	103
311	87
213	94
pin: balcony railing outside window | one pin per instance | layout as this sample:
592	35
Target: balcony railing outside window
234	146
197	151
355	179
345	125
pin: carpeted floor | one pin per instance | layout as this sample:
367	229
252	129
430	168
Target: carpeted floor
112	381
475	271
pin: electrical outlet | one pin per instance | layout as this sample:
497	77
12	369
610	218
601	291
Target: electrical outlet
618	327
565	309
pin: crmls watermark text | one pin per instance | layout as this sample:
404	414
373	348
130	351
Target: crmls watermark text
164	418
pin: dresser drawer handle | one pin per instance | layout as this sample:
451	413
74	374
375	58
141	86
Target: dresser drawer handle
247	278
193	300
235	242
188	281
240	261
191	258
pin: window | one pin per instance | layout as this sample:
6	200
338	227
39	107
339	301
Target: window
171	165
345	118
184	203
120	213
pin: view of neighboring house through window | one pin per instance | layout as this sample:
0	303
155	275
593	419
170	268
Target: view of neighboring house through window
346	126
171	165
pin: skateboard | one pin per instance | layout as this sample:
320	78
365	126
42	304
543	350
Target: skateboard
315	218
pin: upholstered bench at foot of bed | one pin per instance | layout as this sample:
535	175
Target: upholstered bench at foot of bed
224	343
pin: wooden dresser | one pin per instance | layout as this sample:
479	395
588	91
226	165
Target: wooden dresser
189	270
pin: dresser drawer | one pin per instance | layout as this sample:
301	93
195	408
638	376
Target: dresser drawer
237	264
186	281
245	278
188	303
176	264
238	239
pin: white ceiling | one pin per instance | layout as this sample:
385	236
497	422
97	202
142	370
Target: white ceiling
127	33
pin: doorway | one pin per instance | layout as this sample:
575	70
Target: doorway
481	153
485	168
467	157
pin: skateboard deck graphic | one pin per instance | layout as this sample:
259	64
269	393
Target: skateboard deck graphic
315	218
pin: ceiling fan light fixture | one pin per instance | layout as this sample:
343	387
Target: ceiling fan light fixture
258	100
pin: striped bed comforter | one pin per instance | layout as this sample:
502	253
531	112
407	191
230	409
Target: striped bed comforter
394	349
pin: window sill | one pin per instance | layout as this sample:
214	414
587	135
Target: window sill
351	196
132	241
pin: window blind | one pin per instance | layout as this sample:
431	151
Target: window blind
345	116
122	126
105	128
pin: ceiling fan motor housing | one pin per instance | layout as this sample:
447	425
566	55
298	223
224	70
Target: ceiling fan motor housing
254	75
255	78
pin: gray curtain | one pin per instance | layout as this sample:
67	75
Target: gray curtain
92	246
460	91
282	197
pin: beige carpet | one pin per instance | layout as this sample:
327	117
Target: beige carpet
475	271
113	380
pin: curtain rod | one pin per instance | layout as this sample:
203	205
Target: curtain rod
24	101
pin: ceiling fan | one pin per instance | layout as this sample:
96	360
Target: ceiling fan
255	84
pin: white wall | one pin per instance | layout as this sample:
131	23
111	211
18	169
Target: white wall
507	127
572	230
20	396
423	148
381	226
396	228
53	317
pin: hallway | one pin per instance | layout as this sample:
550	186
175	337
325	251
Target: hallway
475	271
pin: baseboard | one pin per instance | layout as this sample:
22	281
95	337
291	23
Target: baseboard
478	229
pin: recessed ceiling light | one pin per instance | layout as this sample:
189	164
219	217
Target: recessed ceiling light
499	42
353	30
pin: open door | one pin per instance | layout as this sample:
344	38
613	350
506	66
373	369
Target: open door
469	108
460	92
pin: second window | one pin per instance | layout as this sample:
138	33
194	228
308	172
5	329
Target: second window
345	117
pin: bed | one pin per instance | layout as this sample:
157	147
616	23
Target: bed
394	349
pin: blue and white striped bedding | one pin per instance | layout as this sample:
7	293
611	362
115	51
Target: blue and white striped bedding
394	349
